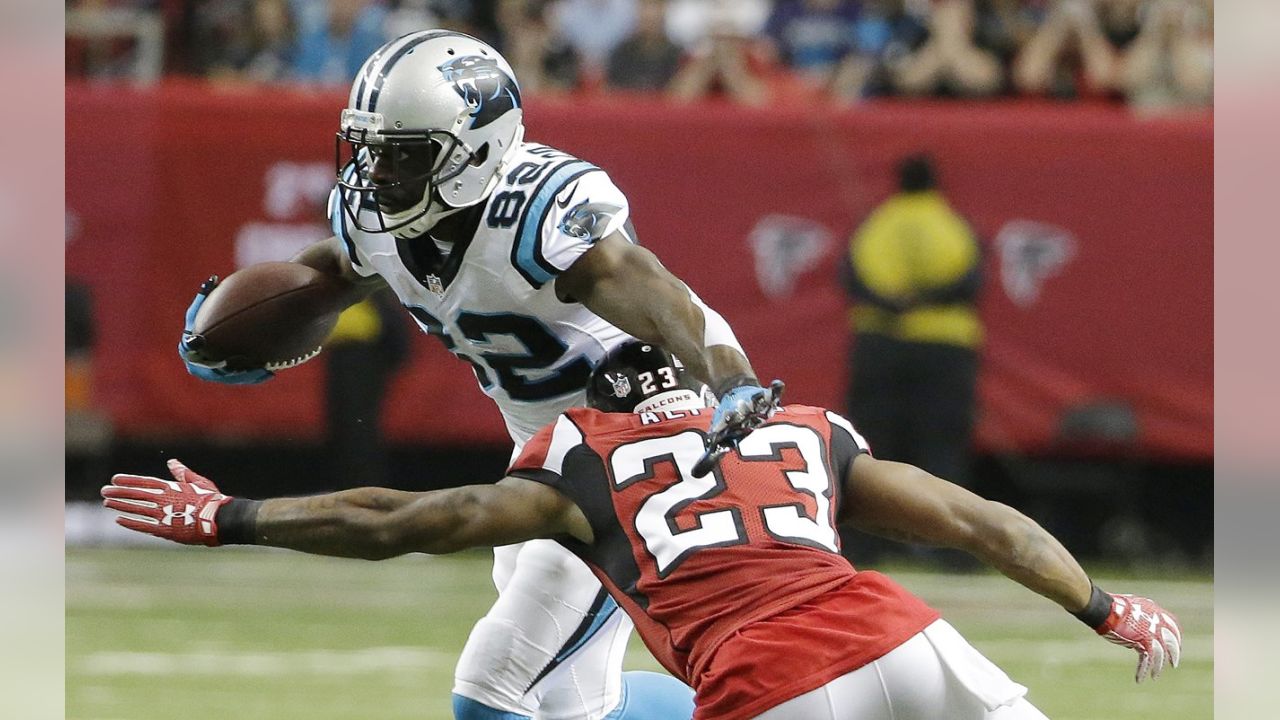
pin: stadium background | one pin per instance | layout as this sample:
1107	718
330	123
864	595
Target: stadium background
1095	394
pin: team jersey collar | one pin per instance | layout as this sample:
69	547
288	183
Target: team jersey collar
433	269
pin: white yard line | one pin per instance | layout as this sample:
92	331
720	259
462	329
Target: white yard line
256	664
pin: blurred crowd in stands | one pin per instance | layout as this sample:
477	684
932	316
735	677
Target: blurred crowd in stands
1153	54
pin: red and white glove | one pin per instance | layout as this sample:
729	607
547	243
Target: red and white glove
1138	623
182	510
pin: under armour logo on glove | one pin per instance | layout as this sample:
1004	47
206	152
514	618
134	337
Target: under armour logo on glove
187	516
1140	624
183	510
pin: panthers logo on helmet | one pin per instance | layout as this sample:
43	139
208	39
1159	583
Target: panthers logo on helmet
485	87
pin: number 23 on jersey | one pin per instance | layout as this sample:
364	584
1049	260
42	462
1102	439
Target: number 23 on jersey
781	506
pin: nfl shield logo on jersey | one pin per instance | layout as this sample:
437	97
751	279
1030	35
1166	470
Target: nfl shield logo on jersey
435	285
621	386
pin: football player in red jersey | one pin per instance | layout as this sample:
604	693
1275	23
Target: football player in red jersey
726	574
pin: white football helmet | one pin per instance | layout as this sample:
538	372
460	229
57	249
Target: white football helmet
443	111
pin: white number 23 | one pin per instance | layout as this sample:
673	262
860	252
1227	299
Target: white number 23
655	521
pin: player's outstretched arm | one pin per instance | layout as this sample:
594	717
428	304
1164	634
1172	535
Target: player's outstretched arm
367	523
627	285
903	502
376	523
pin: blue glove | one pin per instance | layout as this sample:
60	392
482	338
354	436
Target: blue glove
189	349
741	410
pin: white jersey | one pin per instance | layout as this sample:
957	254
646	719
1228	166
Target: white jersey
492	301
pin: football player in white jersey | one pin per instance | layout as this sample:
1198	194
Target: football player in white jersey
523	261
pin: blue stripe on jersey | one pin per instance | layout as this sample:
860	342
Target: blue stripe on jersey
338	216
527	254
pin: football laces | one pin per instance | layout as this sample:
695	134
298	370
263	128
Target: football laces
294	362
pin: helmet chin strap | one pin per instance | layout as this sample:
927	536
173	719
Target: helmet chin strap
435	212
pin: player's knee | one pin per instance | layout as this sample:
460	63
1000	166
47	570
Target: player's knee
489	654
653	696
548	566
464	708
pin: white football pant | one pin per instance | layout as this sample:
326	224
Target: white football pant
936	675
552	645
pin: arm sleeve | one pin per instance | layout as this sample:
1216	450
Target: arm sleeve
558	456
542	458
846	443
574	208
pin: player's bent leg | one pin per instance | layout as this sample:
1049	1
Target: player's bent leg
504	564
584	679
464	708
652	696
507	648
971	675
552	644
489	679
934	674
937	673
858	694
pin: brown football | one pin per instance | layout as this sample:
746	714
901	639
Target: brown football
273	315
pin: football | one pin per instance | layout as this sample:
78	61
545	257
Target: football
274	315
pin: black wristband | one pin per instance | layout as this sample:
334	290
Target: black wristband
731	382
1098	609
238	522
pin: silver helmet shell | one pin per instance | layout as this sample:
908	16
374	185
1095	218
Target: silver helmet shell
443	89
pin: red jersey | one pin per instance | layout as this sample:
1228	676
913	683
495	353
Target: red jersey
726	575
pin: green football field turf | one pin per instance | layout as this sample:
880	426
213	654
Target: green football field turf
255	634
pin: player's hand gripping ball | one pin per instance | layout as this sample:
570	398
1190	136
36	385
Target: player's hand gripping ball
191	348
183	509
266	317
1139	623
